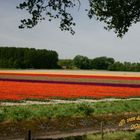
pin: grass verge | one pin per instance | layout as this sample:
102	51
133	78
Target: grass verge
28	112
120	135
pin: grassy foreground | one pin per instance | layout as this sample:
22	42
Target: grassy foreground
17	113
120	135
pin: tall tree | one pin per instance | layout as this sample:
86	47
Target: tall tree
118	15
81	62
102	62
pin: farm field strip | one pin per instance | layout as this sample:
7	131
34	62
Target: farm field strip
119	77
23	90
83	79
22	86
74	72
84	83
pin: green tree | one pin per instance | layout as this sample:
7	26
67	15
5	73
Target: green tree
66	63
118	15
11	57
102	63
126	66
81	62
117	66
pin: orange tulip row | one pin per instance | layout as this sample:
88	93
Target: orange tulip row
15	90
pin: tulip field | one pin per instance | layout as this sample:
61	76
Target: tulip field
20	86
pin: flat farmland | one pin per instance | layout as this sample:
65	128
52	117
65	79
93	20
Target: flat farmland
46	84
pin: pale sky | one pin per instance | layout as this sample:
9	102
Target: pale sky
90	40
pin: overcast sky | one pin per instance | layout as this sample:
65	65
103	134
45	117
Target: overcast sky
90	39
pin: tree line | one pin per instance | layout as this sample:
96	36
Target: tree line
31	58
99	63
12	57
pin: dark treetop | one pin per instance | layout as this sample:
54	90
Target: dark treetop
118	15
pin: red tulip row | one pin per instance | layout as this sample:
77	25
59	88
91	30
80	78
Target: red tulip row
14	90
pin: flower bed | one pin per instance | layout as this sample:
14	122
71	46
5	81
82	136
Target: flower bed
64	86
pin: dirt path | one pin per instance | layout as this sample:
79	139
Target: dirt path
53	101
